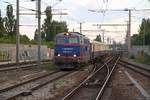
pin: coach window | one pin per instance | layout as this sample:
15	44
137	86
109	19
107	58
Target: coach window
84	41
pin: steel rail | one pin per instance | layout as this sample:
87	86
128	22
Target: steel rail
106	81
69	95
15	67
27	81
32	89
21	63
107	70
141	70
129	63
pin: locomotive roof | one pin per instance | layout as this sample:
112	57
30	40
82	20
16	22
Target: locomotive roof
72	33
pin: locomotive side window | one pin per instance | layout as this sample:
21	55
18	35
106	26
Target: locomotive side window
81	40
73	40
60	40
86	41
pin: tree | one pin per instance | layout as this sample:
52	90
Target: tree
36	35
9	20
137	39
43	36
143	37
24	39
98	38
51	27
61	27
46	27
2	29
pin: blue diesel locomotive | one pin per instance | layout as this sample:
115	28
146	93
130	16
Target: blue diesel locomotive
71	48
74	48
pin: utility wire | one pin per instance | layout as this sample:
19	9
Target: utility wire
101	10
25	7
98	4
19	6
44	3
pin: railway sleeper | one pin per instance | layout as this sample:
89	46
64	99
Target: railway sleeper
26	93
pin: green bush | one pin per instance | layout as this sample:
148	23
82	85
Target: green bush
50	44
132	57
144	59
25	40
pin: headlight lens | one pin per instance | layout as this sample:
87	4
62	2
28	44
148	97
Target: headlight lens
58	55
74	55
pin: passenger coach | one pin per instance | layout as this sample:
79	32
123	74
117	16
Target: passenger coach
71	48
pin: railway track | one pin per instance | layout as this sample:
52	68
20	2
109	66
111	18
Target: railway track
21	63
9	67
17	67
93	86
27	87
140	69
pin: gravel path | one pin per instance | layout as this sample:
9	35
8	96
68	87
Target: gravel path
28	86
8	77
57	89
142	80
121	88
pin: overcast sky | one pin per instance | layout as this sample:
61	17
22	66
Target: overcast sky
78	12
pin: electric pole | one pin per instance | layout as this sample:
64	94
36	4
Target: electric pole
80	28
103	31
17	32
39	32
0	12
38	5
129	32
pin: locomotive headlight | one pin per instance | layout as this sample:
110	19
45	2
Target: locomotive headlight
58	55
74	55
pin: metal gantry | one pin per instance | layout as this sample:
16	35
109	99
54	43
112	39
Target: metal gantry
39	13
129	21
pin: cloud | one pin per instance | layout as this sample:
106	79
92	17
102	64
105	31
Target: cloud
78	12
29	33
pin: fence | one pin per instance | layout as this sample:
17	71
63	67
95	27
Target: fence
26	52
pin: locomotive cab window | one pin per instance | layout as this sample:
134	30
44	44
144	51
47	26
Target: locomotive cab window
60	40
73	40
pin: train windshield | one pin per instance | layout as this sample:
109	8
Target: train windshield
63	40
60	40
73	40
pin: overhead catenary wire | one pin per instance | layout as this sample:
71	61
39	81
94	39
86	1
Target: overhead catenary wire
126	9
30	8
34	10
20	6
104	30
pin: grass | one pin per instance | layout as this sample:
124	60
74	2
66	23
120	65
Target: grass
144	59
23	40
49	66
